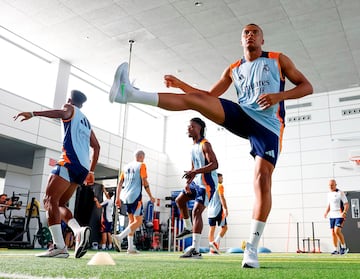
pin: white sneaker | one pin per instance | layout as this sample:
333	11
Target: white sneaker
117	242
344	251
134	251
191	254
118	92
55	252
214	247
250	259
82	241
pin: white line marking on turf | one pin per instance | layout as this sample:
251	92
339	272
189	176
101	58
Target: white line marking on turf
22	276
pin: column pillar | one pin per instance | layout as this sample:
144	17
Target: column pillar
44	161
62	82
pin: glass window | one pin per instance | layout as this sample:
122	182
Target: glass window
2	181
100	112
145	126
26	74
2	185
28	71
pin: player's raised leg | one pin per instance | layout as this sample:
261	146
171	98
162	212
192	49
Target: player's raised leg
123	92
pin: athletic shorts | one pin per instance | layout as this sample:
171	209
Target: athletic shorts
106	226
71	174
336	222
264	143
220	220
198	194
135	208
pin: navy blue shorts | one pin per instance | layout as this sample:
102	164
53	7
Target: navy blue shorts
198	194
106	227
219	219
264	143
72	174
336	222
135	208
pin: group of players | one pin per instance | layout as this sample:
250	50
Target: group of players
259	80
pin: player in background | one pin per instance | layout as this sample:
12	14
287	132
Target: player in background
337	209
217	213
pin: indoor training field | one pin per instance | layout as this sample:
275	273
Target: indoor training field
23	264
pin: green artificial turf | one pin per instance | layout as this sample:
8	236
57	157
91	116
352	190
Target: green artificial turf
16	263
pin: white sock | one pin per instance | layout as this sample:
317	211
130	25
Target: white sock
124	232
218	238
57	236
130	242
141	97
256	230
196	241
187	224
74	225
103	246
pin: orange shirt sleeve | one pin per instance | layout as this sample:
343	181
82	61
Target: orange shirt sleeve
221	189
143	172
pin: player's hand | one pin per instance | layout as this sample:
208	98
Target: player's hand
90	179
24	115
267	100
187	189
118	202
189	176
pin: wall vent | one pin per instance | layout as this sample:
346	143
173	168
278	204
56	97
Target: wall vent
345	112
299	118
299	106
350	98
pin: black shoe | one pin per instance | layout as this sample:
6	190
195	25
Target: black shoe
191	253
184	234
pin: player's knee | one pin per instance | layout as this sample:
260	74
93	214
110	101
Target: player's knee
50	202
180	201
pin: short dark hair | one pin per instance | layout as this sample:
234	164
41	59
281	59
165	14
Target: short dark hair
201	123
219	174
254	24
139	152
78	98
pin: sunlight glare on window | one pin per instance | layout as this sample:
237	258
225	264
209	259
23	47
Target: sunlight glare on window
145	126
100	112
26	75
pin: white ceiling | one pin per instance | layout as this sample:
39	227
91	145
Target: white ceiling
322	37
